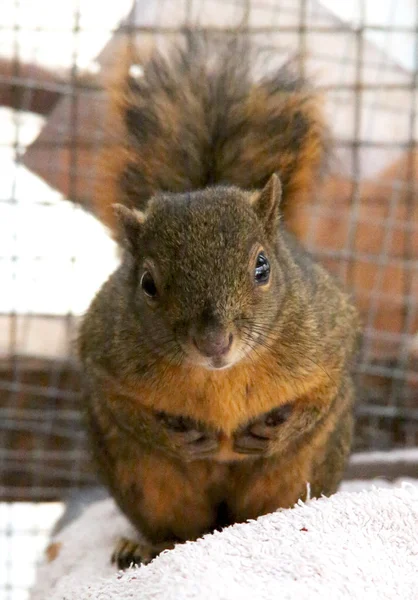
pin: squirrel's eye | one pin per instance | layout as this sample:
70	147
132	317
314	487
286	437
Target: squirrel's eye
262	269
148	285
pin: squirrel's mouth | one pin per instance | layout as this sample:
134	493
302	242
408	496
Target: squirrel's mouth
212	363
218	363
215	361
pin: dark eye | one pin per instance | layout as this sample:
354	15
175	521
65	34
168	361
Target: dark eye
148	285
262	269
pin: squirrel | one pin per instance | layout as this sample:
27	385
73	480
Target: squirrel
218	356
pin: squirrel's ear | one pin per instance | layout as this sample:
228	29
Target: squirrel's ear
266	203
129	222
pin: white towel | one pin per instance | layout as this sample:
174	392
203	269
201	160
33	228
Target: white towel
354	545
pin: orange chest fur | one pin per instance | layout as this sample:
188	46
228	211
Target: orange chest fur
225	399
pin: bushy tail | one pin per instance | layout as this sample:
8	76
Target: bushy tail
203	114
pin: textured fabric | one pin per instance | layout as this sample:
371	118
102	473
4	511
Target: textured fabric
352	545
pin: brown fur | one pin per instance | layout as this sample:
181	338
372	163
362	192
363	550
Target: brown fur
208	121
183	448
169	500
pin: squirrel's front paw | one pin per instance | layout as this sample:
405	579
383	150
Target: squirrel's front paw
193	441
256	437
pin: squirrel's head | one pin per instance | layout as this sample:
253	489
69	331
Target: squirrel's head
206	280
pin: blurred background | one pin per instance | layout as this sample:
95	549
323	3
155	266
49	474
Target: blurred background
55	58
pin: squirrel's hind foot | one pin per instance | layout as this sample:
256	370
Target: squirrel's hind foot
128	553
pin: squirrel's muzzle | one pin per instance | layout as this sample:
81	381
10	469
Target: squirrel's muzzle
213	344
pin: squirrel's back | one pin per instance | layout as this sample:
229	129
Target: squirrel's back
201	115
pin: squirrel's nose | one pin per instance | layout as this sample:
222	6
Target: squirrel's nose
213	343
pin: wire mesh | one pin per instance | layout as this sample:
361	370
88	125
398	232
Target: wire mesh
53	255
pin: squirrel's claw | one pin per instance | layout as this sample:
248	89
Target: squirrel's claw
128	553
188	436
248	443
256	437
203	446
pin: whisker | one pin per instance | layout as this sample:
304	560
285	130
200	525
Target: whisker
268	343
